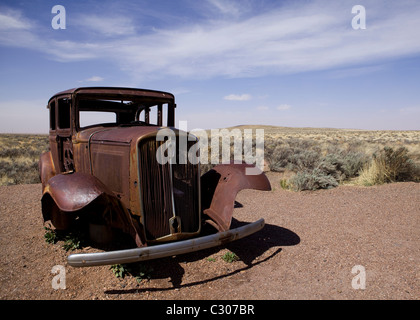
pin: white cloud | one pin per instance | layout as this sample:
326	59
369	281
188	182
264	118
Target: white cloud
107	26
354	72
283	107
66	50
18	31
312	37
94	79
13	20
227	7
236	97
288	39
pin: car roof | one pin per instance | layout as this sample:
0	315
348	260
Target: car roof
116	92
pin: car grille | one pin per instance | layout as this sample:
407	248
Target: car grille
169	192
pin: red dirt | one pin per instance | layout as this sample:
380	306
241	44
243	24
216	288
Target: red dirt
307	250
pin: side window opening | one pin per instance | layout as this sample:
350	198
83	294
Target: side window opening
64	113
52	115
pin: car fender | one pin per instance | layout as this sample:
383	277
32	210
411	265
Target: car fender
74	190
73	194
46	168
219	188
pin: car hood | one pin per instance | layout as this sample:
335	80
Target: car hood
123	135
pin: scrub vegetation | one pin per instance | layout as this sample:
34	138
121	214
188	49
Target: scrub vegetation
311	159
305	158
19	156
323	158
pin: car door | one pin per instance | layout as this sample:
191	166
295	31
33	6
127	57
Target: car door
61	134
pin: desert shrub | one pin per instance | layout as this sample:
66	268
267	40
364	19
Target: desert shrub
19	157
304	160
20	171
389	165
353	163
312	180
314	168
342	165
332	165
370	175
397	165
278	159
285	184
293	155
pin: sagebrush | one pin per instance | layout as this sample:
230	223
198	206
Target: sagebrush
312	158
19	157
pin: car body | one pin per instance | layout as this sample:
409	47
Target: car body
108	173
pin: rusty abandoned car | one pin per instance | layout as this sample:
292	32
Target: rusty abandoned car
107	175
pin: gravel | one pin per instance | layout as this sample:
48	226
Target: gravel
344	243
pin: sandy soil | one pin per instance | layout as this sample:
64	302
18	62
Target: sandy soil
307	250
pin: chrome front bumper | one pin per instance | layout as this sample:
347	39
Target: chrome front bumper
163	250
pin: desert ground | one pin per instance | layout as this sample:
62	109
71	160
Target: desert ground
349	242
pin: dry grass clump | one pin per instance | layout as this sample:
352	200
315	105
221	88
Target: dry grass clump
19	157
389	165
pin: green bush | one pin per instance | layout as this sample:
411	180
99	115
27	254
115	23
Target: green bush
278	158
312	180
304	160
230	257
353	163
314	168
292	155
342	166
72	240
137	270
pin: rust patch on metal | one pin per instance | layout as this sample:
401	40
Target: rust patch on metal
220	187
73	191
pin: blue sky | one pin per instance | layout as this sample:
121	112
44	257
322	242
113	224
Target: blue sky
285	63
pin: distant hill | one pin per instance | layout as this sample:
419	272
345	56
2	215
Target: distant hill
268	129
